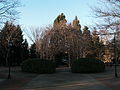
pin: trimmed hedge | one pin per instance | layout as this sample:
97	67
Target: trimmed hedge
38	66
87	65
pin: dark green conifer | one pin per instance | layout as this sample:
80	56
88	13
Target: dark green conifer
76	24
12	33
98	46
25	50
59	21
33	51
86	33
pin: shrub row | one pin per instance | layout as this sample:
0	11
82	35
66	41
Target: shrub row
82	65
87	65
38	66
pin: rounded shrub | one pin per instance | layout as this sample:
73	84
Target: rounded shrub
87	65
38	66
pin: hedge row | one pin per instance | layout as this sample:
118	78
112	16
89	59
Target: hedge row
87	65
38	66
82	65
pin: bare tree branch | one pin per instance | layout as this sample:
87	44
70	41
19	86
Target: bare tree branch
8	10
109	11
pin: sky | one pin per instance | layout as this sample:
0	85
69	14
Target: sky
41	13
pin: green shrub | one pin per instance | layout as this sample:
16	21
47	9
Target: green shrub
87	65
38	66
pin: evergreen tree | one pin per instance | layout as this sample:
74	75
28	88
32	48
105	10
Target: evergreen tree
60	21
98	47
33	51
86	33
87	37
76	25
25	51
12	33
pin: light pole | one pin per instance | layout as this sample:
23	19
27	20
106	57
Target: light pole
10	44
115	55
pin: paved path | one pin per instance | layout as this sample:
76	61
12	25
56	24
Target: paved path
17	81
65	80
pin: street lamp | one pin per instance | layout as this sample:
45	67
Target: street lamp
115	55
10	44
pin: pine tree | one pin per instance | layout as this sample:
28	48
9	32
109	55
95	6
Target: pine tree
33	51
98	47
60	21
12	33
86	33
25	50
87	37
76	25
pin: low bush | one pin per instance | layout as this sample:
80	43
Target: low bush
38	66
87	65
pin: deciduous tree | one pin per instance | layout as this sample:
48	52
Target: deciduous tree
8	10
109	12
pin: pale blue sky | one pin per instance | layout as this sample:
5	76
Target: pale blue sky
41	13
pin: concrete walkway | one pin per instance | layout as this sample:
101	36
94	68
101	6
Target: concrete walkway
65	80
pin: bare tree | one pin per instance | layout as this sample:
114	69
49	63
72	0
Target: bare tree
34	35
60	40
109	11
8	10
